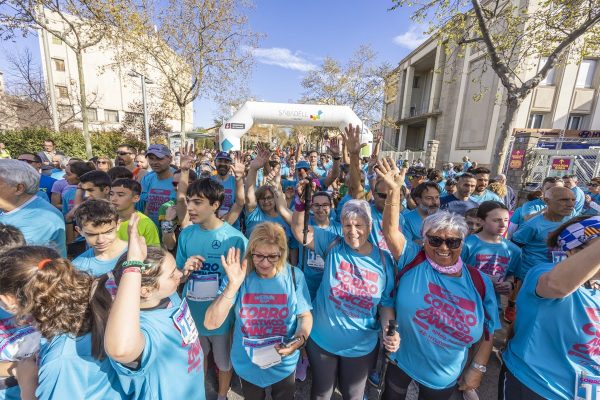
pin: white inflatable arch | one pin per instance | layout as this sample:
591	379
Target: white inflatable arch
253	112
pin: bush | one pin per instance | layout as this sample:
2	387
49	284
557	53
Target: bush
70	143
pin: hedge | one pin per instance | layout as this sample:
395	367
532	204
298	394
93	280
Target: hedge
70	143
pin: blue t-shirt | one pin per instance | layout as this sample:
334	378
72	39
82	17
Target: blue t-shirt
532	237
171	367
353	286
88	262
496	260
554	339
46	184
451	204
596	199
266	311
155	192
532	207
40	222
413	222
230	191
315	265
67	370
517	216
439	318
487	195
257	216
376	235
579	200
202	286
68	200
57	174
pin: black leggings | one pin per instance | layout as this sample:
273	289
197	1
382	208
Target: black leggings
282	390
510	388
350	373
396	387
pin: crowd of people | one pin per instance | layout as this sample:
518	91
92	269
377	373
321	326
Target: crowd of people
129	275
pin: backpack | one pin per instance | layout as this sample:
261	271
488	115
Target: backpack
475	277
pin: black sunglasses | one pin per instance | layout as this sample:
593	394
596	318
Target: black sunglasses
452	243
382	195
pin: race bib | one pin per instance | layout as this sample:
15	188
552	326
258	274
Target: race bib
222	211
558	256
262	351
185	323
20	344
315	261
202	287
587	386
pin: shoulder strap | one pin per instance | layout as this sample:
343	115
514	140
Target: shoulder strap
481	289
334	243
416	261
293	274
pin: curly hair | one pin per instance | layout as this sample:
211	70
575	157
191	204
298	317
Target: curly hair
57	295
498	188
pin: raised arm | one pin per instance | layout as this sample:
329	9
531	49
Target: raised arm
351	138
238	169
297	224
187	162
393	178
124	340
568	275
261	158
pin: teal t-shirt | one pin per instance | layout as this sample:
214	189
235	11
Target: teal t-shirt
376	235
487	195
202	286
88	262
413	223
155	192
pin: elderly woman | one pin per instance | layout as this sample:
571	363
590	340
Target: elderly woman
271	306
357	282
442	306
553	353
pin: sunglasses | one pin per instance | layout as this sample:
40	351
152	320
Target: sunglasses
382	195
122	153
452	243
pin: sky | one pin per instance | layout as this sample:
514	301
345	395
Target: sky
297	37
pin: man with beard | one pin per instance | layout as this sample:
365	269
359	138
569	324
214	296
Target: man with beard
481	192
427	197
460	201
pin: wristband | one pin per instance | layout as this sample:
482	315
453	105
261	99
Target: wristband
167	226
135	264
479	367
131	269
299	205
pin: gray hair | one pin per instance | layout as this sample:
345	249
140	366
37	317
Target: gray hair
16	172
357	209
500	177
445	221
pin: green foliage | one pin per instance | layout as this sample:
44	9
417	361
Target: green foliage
70	143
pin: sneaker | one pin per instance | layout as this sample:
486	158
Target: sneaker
470	394
374	378
509	314
301	368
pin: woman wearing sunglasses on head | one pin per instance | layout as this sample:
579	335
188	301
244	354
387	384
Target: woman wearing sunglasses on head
271	306
442	306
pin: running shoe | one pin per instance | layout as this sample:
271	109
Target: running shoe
301	369
374	378
470	394
509	314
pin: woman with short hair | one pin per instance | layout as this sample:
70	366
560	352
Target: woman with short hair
442	306
271	305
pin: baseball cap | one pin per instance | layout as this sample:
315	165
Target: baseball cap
223	155
302	165
159	150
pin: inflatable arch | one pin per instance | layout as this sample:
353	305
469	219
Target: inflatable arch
253	112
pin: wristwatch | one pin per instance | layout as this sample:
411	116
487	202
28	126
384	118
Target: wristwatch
479	367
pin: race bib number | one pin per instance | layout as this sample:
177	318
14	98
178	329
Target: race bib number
588	387
222	211
262	352
20	344
185	323
558	256
203	287
315	261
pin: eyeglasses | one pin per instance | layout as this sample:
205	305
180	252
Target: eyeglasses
270	257
452	243
382	195
593	184
267	198
102	162
123	153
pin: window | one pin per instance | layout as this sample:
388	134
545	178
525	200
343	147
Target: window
416	82
56	40
92	114
574	122
62	92
535	121
111	115
59	65
549	79
585	76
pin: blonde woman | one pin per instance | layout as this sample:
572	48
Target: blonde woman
272	307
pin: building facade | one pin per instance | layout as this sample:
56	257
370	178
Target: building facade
457	103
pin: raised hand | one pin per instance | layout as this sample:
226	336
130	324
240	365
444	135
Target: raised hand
236	271
137	249
388	171
238	168
351	138
377	138
262	156
194	263
334	147
187	159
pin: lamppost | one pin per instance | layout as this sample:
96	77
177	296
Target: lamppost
145	105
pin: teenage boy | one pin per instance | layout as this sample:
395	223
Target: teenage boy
97	222
124	195
95	185
202	245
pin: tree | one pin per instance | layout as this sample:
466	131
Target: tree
509	33
79	24
198	46
358	84
157	120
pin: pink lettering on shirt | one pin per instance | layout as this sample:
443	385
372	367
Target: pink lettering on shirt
264	314
355	291
588	353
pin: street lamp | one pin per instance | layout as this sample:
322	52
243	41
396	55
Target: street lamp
145	81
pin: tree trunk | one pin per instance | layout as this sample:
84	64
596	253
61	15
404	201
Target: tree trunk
503	141
182	125
83	105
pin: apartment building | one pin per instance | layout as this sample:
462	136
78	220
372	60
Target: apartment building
430	98
112	89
